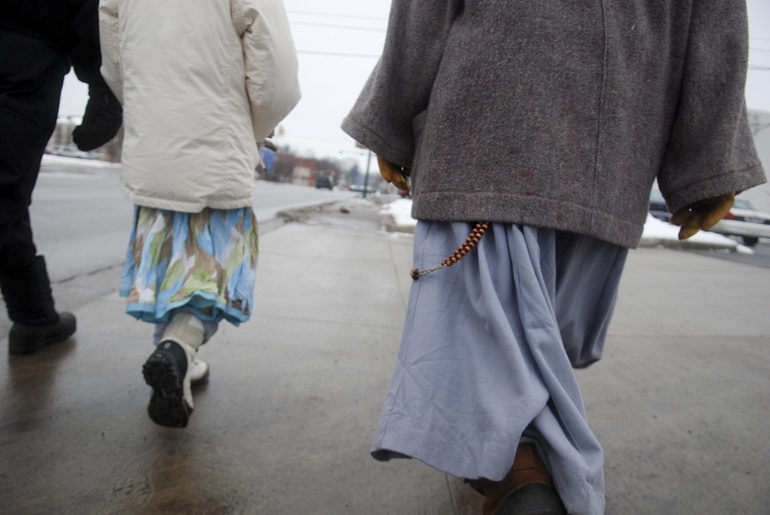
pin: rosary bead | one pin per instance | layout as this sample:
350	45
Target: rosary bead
475	240
463	252
484	226
454	260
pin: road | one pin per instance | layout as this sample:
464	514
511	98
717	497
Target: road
761	256
82	222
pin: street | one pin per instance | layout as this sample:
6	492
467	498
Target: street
761	256
82	221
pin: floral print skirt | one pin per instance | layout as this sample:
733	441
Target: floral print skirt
203	262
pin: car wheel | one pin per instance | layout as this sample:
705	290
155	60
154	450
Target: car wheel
749	241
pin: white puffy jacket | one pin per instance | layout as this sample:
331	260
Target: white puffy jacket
201	82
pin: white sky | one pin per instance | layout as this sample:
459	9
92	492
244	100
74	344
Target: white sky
331	83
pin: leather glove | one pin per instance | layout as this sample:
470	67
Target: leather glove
395	174
702	214
101	121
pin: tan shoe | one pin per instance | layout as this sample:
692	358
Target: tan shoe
510	497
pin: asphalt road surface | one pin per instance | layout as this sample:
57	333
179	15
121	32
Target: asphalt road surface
82	222
761	256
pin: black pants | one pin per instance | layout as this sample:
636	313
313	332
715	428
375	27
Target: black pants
31	77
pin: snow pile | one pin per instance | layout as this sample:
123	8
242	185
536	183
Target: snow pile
397	216
657	233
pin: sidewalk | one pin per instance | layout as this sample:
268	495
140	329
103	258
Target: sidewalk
680	402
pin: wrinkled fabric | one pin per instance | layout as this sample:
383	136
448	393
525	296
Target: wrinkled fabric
561	114
487	354
203	262
201	83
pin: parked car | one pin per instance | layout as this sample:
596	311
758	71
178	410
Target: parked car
324	181
658	207
745	221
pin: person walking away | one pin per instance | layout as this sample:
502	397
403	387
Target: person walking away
532	133
201	82
39	41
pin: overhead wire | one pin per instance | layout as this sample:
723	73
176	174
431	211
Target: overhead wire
334	26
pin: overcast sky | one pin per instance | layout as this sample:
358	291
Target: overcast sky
335	61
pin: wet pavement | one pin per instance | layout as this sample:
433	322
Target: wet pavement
680	402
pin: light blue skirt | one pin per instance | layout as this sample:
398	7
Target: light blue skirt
203	262
487	354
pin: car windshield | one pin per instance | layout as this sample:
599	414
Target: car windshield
743	204
655	195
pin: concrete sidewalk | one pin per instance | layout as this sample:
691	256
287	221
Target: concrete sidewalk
680	402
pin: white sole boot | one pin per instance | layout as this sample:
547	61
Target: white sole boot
199	373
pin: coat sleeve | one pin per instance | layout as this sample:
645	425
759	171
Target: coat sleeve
711	149
84	33
109	37
270	61
399	88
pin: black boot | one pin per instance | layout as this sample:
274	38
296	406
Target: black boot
27	294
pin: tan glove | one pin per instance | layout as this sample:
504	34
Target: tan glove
394	174
703	214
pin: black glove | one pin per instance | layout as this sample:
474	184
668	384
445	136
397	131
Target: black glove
101	121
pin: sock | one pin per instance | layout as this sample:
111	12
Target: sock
185	329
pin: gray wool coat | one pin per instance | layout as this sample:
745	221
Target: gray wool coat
559	113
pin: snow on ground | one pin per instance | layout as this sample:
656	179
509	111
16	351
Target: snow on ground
56	163
657	232
398	217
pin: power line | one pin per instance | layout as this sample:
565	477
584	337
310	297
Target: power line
335	26
757	67
338	54
314	13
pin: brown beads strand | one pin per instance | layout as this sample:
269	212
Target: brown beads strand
458	254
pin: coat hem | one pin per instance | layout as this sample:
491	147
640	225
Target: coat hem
526	210
183	206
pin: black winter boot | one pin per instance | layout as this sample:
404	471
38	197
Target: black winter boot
27	294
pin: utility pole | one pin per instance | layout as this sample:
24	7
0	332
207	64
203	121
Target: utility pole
368	164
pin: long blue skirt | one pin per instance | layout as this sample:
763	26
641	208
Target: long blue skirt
487	354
